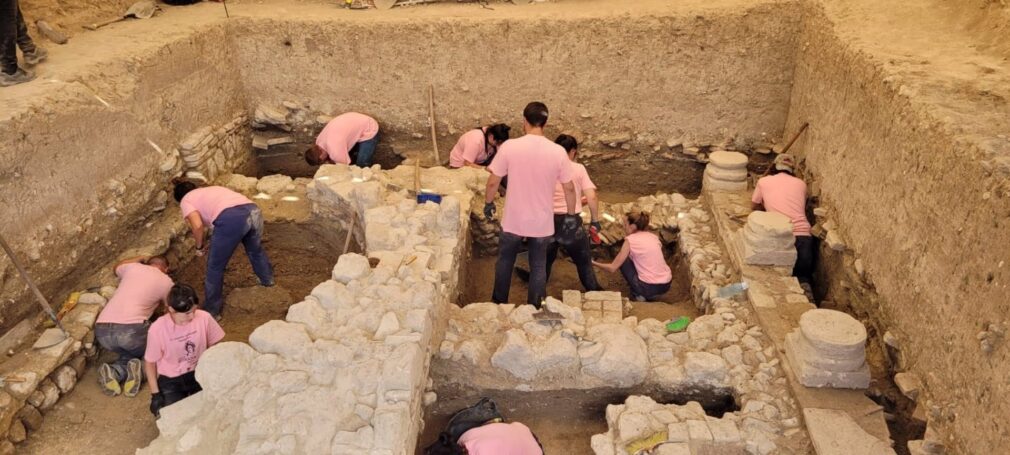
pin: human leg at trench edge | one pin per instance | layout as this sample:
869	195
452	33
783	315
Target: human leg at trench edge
581	256
508	248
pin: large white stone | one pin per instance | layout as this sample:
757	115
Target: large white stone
333	295
833	332
224	366
834	432
351	266
704	368
811	376
624	360
389	325
526	360
728	160
283	338
273	184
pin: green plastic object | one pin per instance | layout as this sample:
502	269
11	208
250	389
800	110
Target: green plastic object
678	325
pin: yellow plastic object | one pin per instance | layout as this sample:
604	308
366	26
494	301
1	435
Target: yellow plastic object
68	305
645	445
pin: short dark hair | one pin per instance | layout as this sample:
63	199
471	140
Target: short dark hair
312	156
182	189
182	298
639	219
568	142
536	114
162	259
499	131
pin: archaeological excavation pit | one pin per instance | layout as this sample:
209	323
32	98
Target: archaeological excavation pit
904	156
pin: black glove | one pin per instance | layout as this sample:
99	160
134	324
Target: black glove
571	223
597	226
571	231
489	210
157	402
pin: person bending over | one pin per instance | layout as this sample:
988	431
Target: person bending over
641	260
534	165
122	325
174	346
477	147
235	219
350	138
784	193
578	250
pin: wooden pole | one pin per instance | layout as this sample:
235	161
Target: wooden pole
350	233
417	177
431	119
31	284
788	146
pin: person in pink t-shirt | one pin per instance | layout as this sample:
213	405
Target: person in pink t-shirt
783	192
500	438
348	138
533	165
641	260
122	325
175	343
477	147
235	219
578	248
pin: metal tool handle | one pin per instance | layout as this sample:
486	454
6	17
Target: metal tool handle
24	276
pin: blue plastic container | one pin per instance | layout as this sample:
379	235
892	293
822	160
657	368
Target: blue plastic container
429	197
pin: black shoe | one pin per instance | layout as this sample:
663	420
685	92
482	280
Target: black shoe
20	76
35	57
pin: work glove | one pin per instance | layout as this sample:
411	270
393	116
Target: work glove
571	230
489	210
596	225
157	402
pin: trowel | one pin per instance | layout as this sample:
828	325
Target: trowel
53	336
143	9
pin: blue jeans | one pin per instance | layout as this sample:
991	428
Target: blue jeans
241	224
508	248
639	288
580	254
127	340
362	152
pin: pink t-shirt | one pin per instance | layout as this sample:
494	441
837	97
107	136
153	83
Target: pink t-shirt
210	202
533	165
500	439
785	194
141	289
340	134
647	255
580	177
176	348
471	147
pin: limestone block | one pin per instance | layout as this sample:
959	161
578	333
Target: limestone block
351	266
389	325
521	315
834	432
65	378
833	333
572	298
282	338
713	184
815	377
602	444
224	366
392	424
705	327
801	349
333	295
311	314
623	360
603	295
273	184
30	417
524	360
730	175
632	426
673	448
315	415
51	393
91	298
909	384
704	368
727	160
17	433
677	432
240	183
403	369
571	314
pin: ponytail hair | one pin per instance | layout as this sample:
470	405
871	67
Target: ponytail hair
499	131
182	298
638	219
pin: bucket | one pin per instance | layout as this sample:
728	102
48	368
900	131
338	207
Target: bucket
429	197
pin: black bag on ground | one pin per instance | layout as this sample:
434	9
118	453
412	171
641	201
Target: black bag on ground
462	421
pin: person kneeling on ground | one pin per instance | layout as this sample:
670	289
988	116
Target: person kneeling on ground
122	325
174	346
477	147
784	193
646	272
481	430
236	220
14	34
578	248
348	138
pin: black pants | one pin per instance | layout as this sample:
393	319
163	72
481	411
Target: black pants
806	253
579	252
508	248
13	34
177	388
639	288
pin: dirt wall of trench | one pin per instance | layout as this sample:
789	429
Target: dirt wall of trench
638	80
905	153
80	179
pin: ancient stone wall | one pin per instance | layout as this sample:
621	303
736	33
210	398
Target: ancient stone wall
917	188
84	166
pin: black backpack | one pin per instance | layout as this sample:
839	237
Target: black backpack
462	421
